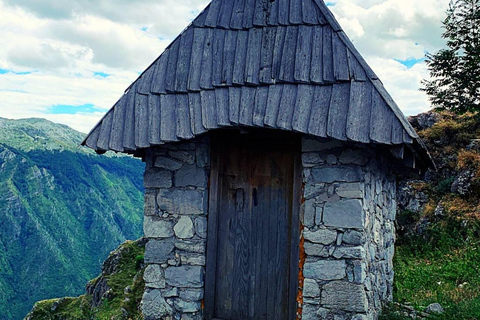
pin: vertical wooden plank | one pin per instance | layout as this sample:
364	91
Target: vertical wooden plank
340	60
195	106
397	132
129	127
168	130
172	66
141	121
207	61
338	111
248	14
303	54
225	14
254	49
356	70
247	100
295	11
221	100
380	120
145	82
158	81
213	213
234	94
316	67
240	58
328	75
229	57
236	22
283	10
183	63
104	136
92	139
260	13
218	47
287	66
260	105
268	42
209	119
273	16
309	12
358	119
182	115
273	104
303	105
287	105
116	135
154	119
277	51
200	19
212	15
195	68
319	112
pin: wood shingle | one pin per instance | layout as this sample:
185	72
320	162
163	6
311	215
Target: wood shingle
283	64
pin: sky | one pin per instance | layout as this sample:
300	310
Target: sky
70	61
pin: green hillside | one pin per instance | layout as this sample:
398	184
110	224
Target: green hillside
63	210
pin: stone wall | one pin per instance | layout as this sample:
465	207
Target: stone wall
348	212
175	222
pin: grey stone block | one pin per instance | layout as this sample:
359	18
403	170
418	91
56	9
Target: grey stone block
157	178
154	305
184	228
167	163
171	292
183	156
156	227
353	237
201	227
197	246
309	213
322	236
190	176
313	189
350	190
314	249
159	251
312	159
344	296
310	288
150	204
202	155
185	276
191	294
344	214
349	253
193	259
309	312
325	269
178	201
186	306
154	276
336	174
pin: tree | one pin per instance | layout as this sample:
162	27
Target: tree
455	71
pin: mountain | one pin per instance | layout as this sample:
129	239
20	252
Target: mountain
63	209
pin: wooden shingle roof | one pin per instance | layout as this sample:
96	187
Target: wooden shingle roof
283	64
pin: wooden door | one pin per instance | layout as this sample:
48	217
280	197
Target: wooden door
252	257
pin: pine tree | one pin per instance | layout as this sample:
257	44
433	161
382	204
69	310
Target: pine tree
455	71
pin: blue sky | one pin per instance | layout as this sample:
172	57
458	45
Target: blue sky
69	61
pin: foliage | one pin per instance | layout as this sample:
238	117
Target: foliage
63	210
455	71
120	301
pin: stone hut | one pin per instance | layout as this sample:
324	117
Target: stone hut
271	152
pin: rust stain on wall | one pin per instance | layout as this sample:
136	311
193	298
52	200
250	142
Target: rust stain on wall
301	278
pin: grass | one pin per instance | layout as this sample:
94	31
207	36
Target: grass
129	274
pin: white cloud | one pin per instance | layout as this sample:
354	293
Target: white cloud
64	43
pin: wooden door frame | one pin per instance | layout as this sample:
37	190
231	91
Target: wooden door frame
212	231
